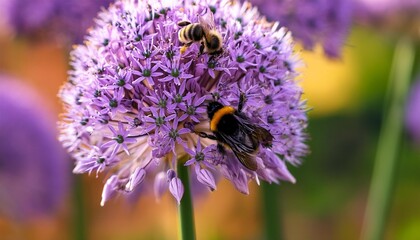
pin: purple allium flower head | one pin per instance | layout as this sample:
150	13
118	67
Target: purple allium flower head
312	21
33	170
412	116
66	20
133	102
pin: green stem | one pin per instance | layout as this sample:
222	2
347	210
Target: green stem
185	208
271	208
382	183
79	210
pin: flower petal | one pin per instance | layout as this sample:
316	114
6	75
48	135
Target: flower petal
136	178
241	182
176	188
206	177
109	189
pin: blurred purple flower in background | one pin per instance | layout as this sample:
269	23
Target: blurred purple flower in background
33	167
398	16
26	16
132	99
66	21
74	17
379	8
412	117
326	22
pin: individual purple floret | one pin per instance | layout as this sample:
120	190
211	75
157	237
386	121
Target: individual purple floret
134	104
33	168
325	22
412	116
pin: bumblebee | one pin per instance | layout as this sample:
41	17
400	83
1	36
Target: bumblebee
204	32
231	128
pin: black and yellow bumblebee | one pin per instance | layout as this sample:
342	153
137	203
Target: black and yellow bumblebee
204	32
232	128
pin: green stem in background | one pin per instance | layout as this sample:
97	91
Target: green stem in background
79	223
384	171
271	211
185	209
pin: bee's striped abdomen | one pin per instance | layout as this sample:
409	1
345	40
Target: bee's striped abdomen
191	33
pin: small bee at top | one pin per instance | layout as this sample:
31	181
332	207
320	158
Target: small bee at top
204	32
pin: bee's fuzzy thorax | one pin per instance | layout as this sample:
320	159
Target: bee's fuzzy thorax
212	108
217	115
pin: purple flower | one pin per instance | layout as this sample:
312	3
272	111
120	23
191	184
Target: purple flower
200	160
398	17
165	106
33	169
72	18
412	116
147	72
176	188
27	16
380	8
119	139
175	72
65	20
326	22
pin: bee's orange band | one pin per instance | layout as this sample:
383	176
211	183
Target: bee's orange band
218	115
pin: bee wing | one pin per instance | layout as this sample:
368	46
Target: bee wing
243	143
259	134
248	160
263	135
243	140
207	20
243	146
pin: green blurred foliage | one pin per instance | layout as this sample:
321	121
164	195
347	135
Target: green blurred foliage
374	53
333	181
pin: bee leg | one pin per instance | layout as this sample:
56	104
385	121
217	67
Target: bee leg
190	126
201	49
185	47
205	135
217	53
242	99
212	58
221	149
